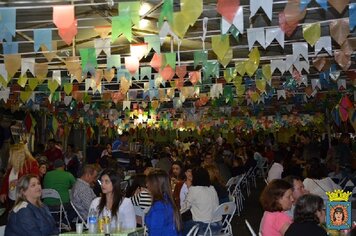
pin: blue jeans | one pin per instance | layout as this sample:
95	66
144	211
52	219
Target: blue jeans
215	227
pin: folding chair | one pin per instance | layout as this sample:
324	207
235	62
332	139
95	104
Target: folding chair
52	193
140	213
78	214
231	183
226	211
193	231
2	230
250	228
237	193
123	186
263	168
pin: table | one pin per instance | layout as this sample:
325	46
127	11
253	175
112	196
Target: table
136	232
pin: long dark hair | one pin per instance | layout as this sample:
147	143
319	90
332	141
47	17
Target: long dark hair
116	192
160	189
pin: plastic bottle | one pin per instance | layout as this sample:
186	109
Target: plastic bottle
92	221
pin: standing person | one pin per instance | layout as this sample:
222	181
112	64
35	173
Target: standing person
113	203
71	160
82	193
163	217
308	215
21	163
30	216
276	199
52	153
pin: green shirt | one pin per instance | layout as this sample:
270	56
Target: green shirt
61	181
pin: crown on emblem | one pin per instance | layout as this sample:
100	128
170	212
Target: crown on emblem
338	195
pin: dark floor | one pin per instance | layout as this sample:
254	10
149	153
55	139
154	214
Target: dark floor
252	212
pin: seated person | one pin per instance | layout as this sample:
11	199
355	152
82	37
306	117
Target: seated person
218	183
82	193
276	199
29	215
309	213
139	194
61	181
202	200
112	203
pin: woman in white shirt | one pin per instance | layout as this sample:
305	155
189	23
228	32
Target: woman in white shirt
202	200
112	203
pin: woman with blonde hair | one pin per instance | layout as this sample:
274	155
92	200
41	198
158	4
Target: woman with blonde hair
218	183
30	215
21	163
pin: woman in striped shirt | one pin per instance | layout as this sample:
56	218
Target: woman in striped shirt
139	194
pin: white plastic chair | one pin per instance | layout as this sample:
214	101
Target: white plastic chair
237	193
140	213
230	183
193	231
250	228
79	215
227	210
52	193
2	230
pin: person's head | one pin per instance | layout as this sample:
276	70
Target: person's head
28	189
158	184
298	186
188	173
70	148
51	143
138	183
18	155
108	146
43	166
208	158
237	161
58	164
111	188
201	177
279	158
309	208
177	169
338	214
316	170
89	174
277	196
125	136
304	138
214	173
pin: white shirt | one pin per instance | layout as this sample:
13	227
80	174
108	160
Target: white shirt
202	202
320	186
183	193
126	214
275	172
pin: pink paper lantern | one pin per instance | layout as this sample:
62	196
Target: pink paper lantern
132	64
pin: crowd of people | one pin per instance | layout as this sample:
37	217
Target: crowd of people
178	185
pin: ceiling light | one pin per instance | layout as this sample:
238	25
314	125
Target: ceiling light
145	7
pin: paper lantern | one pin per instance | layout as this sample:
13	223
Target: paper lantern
132	64
139	50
